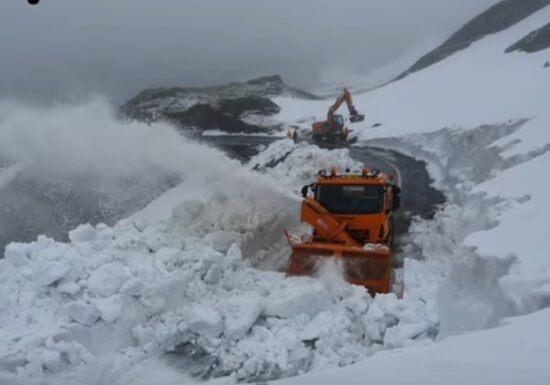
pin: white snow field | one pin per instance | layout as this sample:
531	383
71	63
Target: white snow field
187	285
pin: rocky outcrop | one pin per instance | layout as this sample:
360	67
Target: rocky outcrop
533	42
213	116
235	107
497	18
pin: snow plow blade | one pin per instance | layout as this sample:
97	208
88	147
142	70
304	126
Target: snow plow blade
369	268
351	220
356	118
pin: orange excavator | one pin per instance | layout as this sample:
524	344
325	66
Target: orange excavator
333	129
351	216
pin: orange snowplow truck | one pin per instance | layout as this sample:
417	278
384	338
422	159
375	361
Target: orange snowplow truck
352	221
333	129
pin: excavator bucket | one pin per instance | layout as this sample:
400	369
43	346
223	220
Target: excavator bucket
369	268
356	118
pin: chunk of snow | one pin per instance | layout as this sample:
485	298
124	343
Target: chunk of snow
222	240
204	320
214	274
111	308
68	287
143	335
396	336
48	273
15	254
296	301
49	359
240	314
85	314
133	287
234	252
83	233
167	254
108	279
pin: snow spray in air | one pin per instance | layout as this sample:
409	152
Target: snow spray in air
65	165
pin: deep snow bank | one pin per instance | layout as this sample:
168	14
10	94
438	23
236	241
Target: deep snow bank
480	120
296	164
174	281
511	354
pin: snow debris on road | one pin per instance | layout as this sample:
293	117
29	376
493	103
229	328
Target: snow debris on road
294	165
178	277
113	295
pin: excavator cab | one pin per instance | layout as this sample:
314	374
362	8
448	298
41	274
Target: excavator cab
352	220
339	122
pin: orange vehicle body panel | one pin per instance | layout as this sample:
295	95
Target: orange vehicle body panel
366	260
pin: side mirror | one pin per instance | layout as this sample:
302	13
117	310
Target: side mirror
396	203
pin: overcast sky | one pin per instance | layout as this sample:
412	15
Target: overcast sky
118	47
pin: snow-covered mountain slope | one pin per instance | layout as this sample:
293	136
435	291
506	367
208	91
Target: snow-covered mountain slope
499	17
481	119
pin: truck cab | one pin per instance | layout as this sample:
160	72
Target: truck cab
351	215
365	202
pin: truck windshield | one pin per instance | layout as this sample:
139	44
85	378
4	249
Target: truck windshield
351	199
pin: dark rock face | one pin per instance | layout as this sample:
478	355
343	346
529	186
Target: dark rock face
230	108
533	42
209	117
497	18
248	105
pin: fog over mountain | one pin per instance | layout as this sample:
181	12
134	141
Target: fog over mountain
67	47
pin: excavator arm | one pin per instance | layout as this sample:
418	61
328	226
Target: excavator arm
345	96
